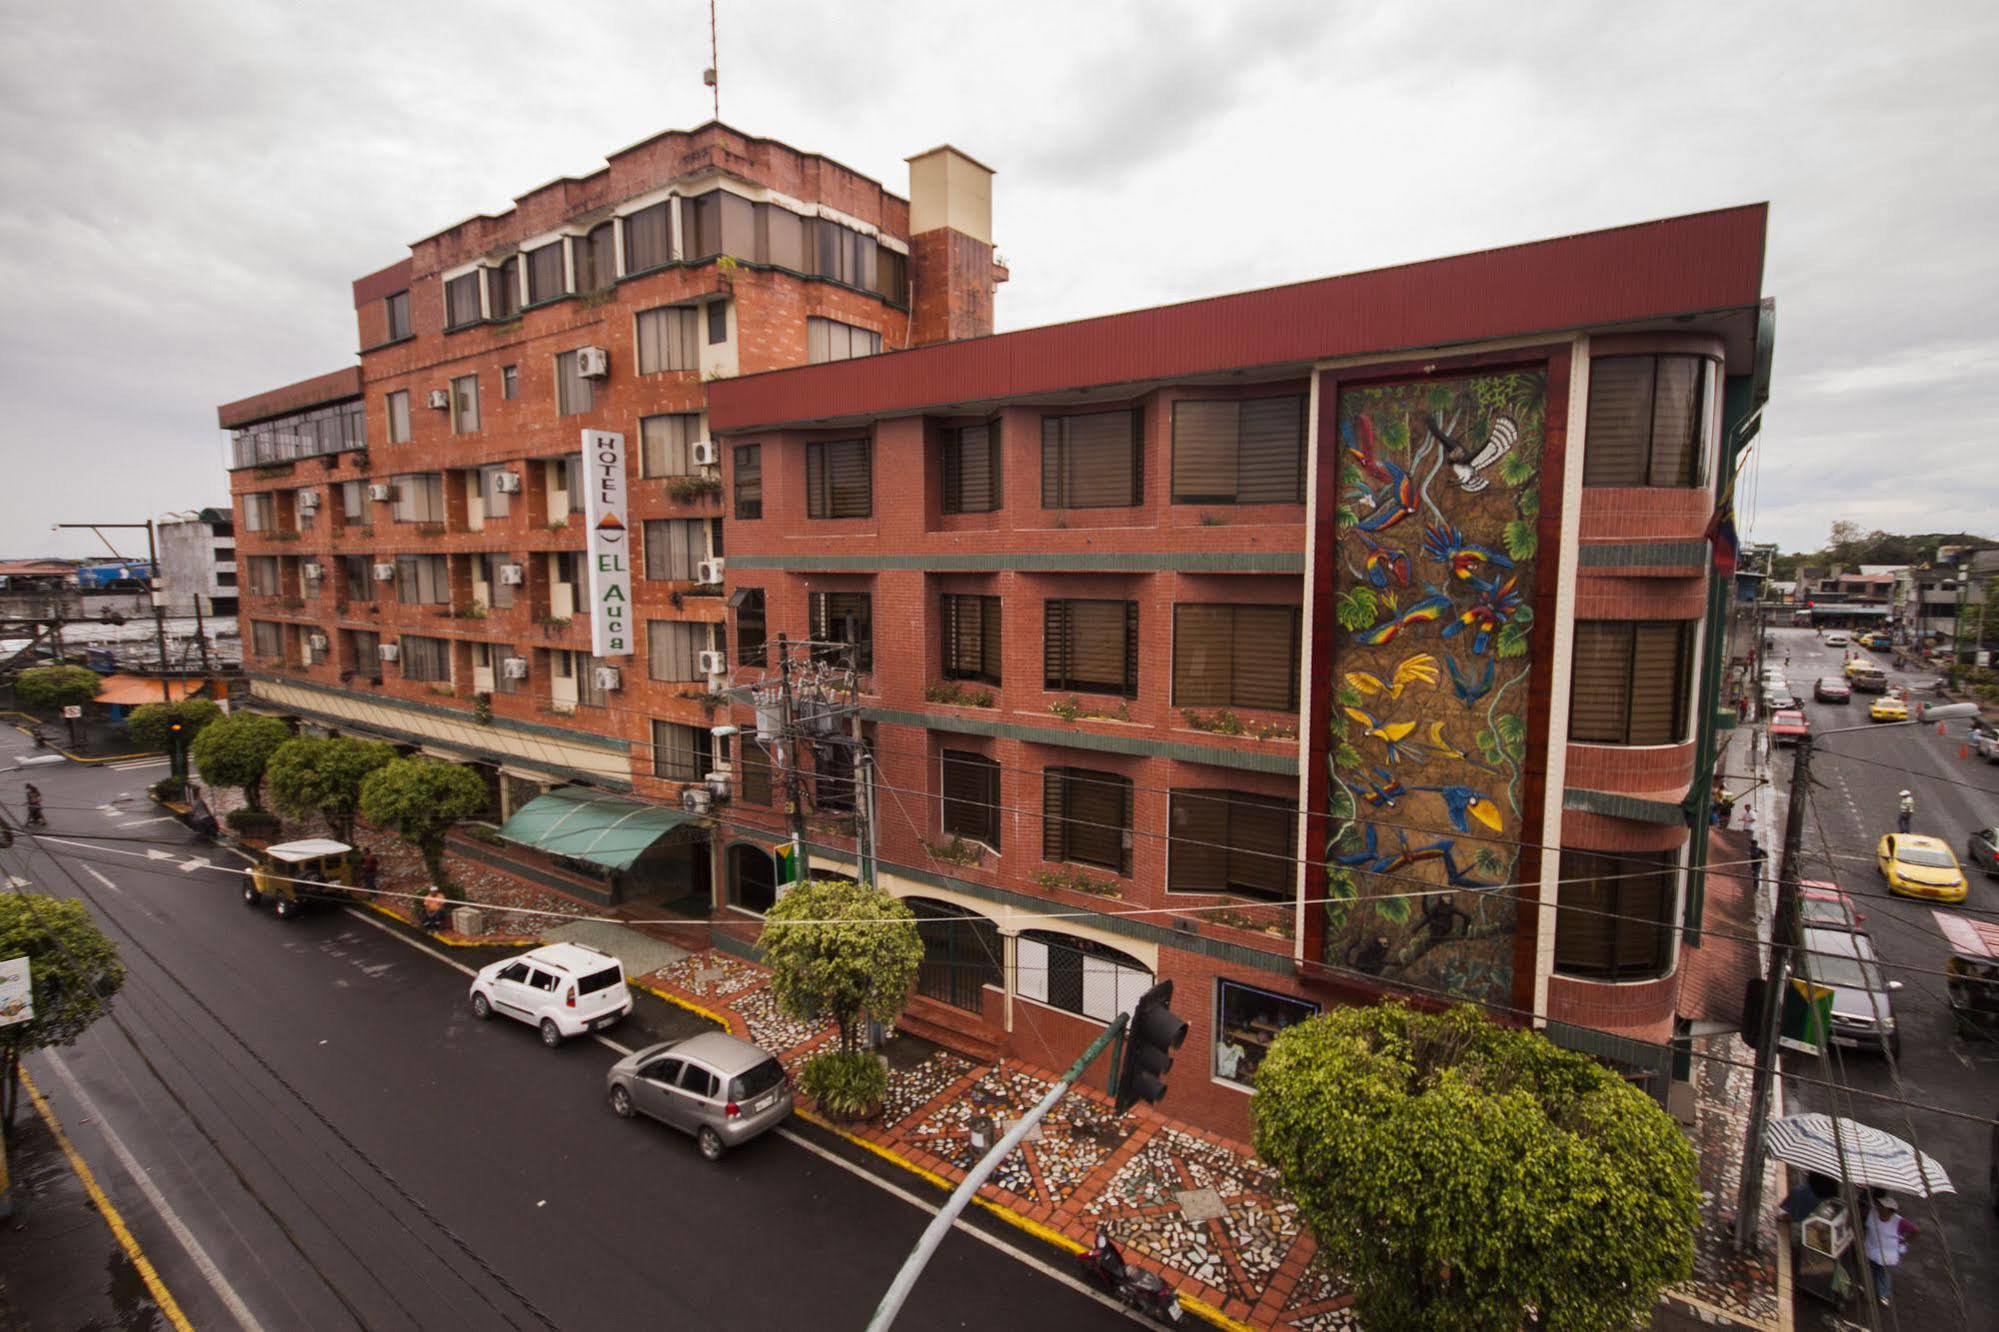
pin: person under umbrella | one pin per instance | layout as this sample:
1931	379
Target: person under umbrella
1888	1236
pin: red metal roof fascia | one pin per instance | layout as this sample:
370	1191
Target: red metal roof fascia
1703	262
307	393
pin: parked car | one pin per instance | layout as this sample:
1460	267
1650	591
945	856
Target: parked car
1837	638
1787	726
292	876
1823	906
1982	849
1919	866
1777	698
1863	1014
1888	709
1869	679
1832	689
719	1088
562	989
1985	744
1877	641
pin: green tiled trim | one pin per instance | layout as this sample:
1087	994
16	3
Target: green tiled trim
585	738
1641	554
1615	806
1213	755
1192	561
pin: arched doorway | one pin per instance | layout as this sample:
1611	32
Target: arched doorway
961	953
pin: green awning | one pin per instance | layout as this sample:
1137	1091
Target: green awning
588	825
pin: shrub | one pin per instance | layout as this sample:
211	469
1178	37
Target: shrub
846	1086
167	788
252	823
46	688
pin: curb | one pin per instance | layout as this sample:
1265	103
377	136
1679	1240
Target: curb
496	942
687	1004
102	758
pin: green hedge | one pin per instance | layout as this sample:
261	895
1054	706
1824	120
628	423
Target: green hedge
846	1086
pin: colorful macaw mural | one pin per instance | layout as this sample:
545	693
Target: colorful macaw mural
1438	496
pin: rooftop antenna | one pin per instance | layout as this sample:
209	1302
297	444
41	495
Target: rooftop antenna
708	75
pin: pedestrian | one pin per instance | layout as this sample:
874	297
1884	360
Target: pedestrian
432	915
1742	707
34	794
1905	811
1888	1236
371	871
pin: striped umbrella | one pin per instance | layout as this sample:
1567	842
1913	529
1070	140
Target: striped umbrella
1873	1158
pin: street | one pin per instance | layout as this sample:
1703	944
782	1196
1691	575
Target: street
1858	777
333	1140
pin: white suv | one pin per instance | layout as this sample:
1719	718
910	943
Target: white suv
565	989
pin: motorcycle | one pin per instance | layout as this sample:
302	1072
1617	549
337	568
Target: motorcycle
1135	1287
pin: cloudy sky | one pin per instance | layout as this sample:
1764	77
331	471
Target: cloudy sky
190	187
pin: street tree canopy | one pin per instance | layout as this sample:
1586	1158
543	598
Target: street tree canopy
420	799
46	688
308	776
1465	1175
842	950
75	972
147	726
235	750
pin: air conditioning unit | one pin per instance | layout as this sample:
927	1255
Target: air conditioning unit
593	362
718	786
317	642
381	490
385	573
439	399
710	571
513	668
512	575
696	800
705	453
507	483
308	499
312	571
388	651
609	677
713	662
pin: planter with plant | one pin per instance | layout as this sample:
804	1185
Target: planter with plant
847	1087
957	851
1073	708
958	694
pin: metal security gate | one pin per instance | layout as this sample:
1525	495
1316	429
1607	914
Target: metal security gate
961	953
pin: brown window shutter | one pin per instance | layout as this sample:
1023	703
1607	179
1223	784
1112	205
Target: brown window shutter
1054	811
1599	690
1204	452
1197	854
1658	683
849	479
815	482
1265	651
970	796
1676	414
1053	493
1201	655
1055	644
1618	430
1270	452
1131	649
989	638
1262	836
970	482
1584	929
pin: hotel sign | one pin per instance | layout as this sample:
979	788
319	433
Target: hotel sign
610	548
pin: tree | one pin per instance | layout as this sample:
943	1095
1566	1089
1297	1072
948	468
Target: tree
46	688
235	750
323	777
147	726
75	973
1464	1174
842	950
420	799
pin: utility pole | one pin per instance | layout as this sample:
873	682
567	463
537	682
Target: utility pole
788	740
864	773
200	636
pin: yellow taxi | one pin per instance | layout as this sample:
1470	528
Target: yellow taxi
1918	866
1888	709
1855	664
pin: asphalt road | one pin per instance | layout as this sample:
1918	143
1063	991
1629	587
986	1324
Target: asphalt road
334	1141
1859	777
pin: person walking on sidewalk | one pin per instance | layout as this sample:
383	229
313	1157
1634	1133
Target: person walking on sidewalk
34	794
1905	811
434	904
1888	1236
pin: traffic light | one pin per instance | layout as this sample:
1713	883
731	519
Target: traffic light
1149	1042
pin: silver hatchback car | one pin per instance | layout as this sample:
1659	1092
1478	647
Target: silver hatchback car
723	1090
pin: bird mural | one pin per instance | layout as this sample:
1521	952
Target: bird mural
1441	746
1419	668
1393	735
1394	502
1470	562
1463	804
1469	691
1482	618
1382	563
1357	436
1434	606
1383	790
1370	859
1467	465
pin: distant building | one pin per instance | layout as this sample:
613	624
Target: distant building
198	559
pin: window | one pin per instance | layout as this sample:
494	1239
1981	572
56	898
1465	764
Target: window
664	441
546	278
420	498
844	617
590	693
748	603
1616	916
667	339
971	638
755	788
718	222
891	276
832	776
510	381
423	580
780	237
356	509
1644	420
465	405
565	476
597	259
718	322
461	301
971	797
260	512
502	682
831	340
842	254
425	659
672	648
1086	818
749	481
486	569
1077	975
364	649
565	570
752	878
573	393
681	753
1093	461
674	546
1250	452
1236	657
1246	1022
267	638
497	502
649	238
503	288
263	573
399	316
399	417
1630	682
839	479
1230	842
1090	646
962	953
972	469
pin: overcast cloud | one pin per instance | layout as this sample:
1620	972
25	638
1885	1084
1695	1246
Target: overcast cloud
189	188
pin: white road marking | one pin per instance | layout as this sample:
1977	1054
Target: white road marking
92	872
140	823
193	863
137	765
202	1262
